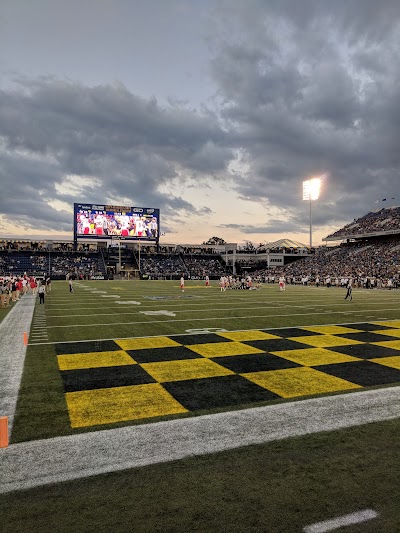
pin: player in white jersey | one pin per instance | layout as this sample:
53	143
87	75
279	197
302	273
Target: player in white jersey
85	225
207	281
282	285
222	283
139	227
98	221
182	283
124	221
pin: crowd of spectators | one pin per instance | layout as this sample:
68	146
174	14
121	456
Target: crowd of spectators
384	220
13	288
178	264
3	266
198	267
161	266
12	246
75	265
378	261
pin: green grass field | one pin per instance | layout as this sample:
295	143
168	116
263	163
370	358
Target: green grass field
94	353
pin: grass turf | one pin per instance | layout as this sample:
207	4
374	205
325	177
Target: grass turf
275	487
108	312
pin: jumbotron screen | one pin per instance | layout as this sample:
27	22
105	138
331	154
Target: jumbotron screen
107	221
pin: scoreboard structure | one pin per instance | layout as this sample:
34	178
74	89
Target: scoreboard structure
101	222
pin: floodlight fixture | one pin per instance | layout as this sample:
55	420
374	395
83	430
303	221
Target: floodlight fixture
311	189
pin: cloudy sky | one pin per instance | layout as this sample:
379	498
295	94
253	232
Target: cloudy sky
215	111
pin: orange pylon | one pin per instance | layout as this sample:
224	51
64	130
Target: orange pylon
3	431
25	338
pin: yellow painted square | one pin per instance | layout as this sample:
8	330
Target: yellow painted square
302	381
94	360
388	332
389	323
395	345
117	404
331	330
392	362
142	343
185	369
315	356
325	341
223	349
248	336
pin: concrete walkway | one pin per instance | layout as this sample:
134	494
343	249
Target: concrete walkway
12	354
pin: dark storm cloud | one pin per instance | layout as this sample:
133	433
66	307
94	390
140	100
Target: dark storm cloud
312	87
51	129
273	226
303	87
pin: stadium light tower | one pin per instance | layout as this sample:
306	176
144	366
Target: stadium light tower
311	190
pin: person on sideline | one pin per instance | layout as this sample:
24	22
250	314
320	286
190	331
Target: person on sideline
71	287
41	292
349	290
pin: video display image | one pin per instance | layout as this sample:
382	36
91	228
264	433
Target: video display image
93	221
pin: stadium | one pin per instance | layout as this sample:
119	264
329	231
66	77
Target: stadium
129	390
199	266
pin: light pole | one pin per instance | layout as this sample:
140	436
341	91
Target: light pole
311	190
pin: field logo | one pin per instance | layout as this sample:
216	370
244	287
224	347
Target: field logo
205	330
166	313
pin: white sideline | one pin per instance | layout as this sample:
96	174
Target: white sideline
35	463
346	520
12	354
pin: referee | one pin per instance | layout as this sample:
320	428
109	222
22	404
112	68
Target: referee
349	294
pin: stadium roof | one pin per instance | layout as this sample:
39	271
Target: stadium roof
286	243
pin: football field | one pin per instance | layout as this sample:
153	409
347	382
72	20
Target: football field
126	352
116	353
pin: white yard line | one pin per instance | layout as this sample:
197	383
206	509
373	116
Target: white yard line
341	521
30	464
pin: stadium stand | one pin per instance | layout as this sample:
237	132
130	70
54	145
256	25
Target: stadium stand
370	263
77	265
384	221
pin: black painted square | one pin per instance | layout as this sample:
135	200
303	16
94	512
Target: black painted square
153	355
275	345
86	346
366	351
290	332
254	363
200	338
225	391
367	336
365	373
365	326
105	377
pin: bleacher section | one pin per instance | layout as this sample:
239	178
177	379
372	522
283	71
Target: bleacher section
382	222
162	266
19	263
377	259
76	264
172	266
55	264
